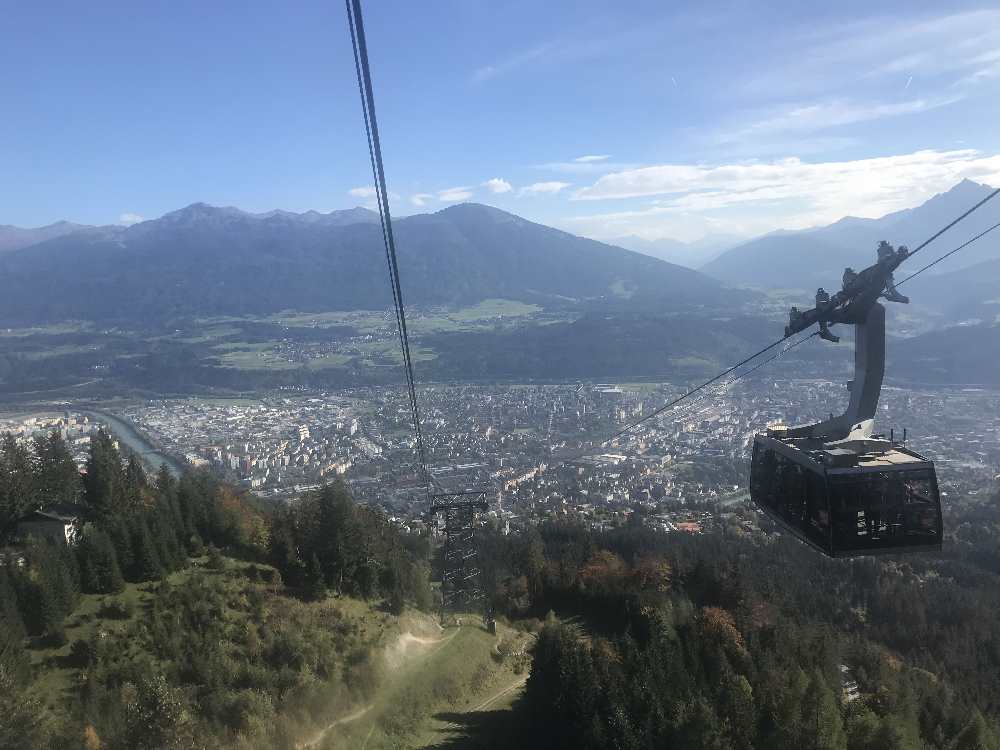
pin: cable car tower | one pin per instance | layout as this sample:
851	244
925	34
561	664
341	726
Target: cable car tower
461	587
835	484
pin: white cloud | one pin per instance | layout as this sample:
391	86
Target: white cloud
592	167
991	70
455	194
511	63
498	185
863	52
420	199
362	192
543	188
757	197
128	219
592	158
578	45
829	114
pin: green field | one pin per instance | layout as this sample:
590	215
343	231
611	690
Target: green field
56	329
245	356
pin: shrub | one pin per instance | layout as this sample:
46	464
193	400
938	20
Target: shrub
362	675
55	638
195	546
215	559
116	609
270	575
81	653
396	602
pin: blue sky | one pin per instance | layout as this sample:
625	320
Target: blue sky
658	119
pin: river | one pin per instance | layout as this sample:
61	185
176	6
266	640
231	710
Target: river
127	433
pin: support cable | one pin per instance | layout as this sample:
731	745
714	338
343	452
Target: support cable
691	392
722	387
363	69
949	253
937	234
722	374
767	348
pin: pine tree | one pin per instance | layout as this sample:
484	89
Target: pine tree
18	493
976	735
136	484
70	571
45	592
120	534
739	711
823	725
316	585
336	536
165	483
146	563
104	481
99	570
57	476
13	657
282	551
164	536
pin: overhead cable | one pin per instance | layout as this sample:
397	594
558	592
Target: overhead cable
948	254
767	348
361	65
707	383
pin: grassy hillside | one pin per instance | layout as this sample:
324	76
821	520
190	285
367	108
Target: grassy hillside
432	682
350	674
284	668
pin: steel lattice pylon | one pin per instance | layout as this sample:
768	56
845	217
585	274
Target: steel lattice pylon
460	582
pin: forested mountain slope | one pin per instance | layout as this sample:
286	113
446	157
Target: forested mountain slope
204	261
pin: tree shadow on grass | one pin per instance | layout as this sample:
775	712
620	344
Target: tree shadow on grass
483	730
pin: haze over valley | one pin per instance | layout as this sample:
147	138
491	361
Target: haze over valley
220	300
397	376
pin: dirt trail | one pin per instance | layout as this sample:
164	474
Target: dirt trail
403	649
496	696
318	737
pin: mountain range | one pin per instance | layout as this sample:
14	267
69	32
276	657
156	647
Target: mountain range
203	260
817	257
14	238
608	311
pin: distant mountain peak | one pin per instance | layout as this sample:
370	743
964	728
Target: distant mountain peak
201	211
470	207
14	238
468	214
208	260
967	183
805	259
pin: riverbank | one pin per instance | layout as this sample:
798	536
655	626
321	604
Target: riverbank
138	443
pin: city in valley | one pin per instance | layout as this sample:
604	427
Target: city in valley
539	451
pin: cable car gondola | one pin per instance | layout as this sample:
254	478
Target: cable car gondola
835	485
